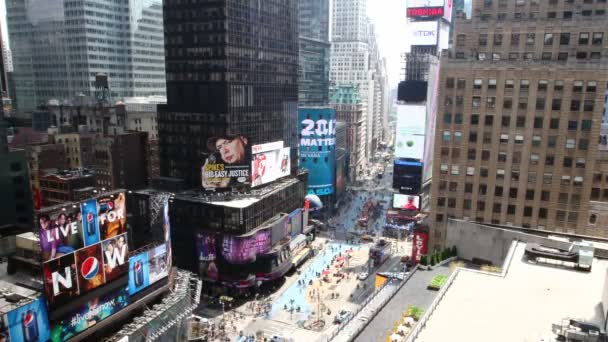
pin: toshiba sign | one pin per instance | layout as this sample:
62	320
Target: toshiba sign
425	12
423	33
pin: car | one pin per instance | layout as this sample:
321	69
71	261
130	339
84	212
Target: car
363	275
342	316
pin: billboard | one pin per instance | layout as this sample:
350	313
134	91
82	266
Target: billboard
139	273
27	323
447	10
425	12
317	127
244	249
407	176
206	249
157	258
422	33
269	162
410	130
112	215
294	223
90	313
406	202
420	245
228	162
83	247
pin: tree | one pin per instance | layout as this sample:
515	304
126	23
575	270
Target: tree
454	251
423	260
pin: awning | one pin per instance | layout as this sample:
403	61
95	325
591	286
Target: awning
301	257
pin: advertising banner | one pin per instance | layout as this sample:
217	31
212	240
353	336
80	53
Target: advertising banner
425	12
269	162
420	245
139	273
206	251
244	249
407	176
90	223
89	263
94	311
447	10
423	33
29	323
60	283
115	255
112	215
317	127
410	146
294	223
406	202
157	258
228	162
60	232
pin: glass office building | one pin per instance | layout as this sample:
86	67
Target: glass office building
60	46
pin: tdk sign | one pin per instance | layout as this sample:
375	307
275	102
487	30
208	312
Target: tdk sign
425	33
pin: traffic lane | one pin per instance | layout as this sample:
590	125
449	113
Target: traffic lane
360	295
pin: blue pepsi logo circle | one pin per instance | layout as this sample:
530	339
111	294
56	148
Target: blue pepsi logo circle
89	268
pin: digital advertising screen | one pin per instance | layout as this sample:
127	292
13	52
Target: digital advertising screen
407	176
139	273
29	322
406	202
425	12
410	131
244	249
60	283
317	127
410	146
115	256
294	222
84	246
112	215
158	266
269	162
425	3
89	265
89	314
206	246
228	163
60	232
90	222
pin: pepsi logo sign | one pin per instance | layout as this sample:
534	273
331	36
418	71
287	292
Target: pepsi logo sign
28	319
89	268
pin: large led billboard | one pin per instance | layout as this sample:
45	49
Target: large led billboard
83	247
410	130
406	202
425	12
407	176
27	323
269	162
317	127
228	162
90	313
243	249
148	267
425	3
423	33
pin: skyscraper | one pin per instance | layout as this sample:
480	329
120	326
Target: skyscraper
231	72
520	106
313	69
60	46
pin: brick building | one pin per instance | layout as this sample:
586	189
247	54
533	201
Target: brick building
520	108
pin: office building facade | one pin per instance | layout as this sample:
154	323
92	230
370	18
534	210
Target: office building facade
59	47
520	108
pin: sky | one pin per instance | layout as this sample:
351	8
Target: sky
390	22
387	15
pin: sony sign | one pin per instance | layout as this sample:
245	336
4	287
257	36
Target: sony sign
423	33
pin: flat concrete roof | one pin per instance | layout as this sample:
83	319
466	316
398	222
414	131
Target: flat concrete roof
17	285
519	307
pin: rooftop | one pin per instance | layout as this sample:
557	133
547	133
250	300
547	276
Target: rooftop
235	199
16	289
70	174
521	306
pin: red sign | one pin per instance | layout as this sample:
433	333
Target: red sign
420	245
425	12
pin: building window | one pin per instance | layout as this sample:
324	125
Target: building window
507	103
577	86
443	169
588	105
514	176
542	213
530	194
447	118
524	85
550	160
558	85
547	178
583	144
562	56
591	86
449	83
545	196
581	55
461	83
554	123
534	159
567	162
527	211
540	104
519	139
457	137
446	136
470	171
556	104
572	125
567	15
565	180
502	157
509	84
514	39
477	83
472	136
455	169
530	38
483	39
560	216
592	219
548	38
496	208
564	39
546	56
586	125
520	121
506	121
510	209
575	105
583	38
598	38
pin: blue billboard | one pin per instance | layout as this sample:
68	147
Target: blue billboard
317	127
139	273
29	322
90	222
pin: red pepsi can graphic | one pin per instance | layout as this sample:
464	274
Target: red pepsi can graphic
89	268
29	324
139	274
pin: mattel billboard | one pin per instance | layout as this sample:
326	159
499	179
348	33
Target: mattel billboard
83	247
317	127
269	162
